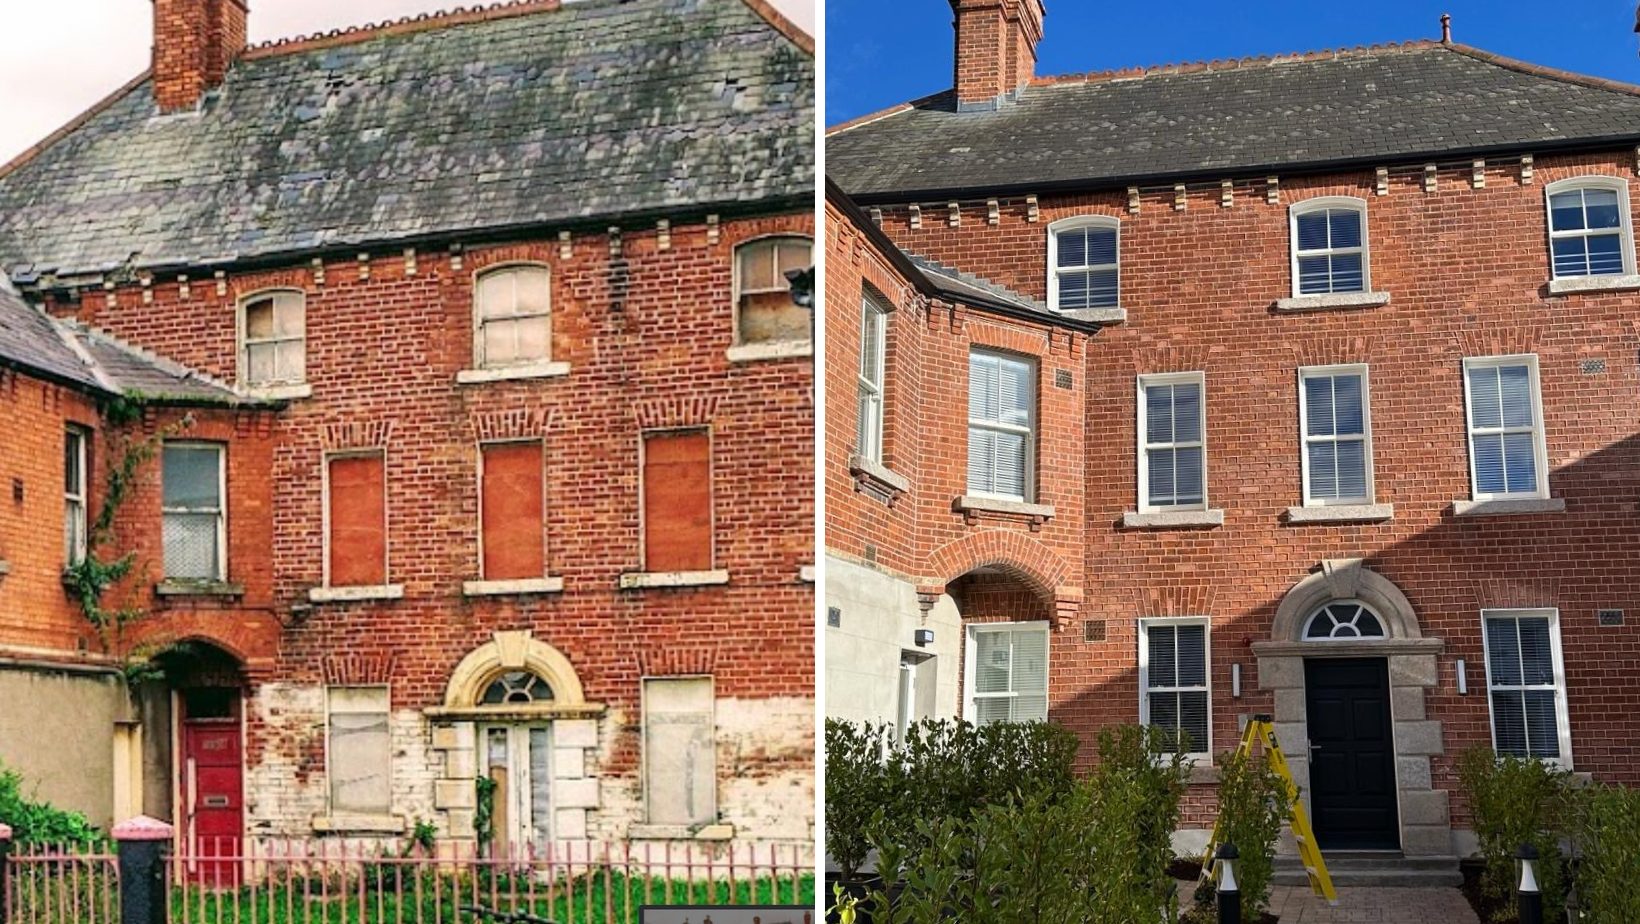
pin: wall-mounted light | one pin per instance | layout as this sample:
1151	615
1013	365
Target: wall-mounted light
1235	681
1463	678
923	637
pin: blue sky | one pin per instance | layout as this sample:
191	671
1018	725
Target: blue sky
882	52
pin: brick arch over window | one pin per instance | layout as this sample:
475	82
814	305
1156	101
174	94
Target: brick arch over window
1033	563
1345	579
512	651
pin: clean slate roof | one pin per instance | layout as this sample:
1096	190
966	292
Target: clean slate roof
1412	101
967	287
586	112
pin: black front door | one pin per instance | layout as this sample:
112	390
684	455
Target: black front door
1352	753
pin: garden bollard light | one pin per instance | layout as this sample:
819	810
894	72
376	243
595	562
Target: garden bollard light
1229	891
1529	898
141	845
5	858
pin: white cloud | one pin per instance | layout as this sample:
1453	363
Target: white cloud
79	51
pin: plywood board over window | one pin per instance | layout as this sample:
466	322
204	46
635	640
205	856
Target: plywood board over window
680	766
357	520
513	544
360	750
677	500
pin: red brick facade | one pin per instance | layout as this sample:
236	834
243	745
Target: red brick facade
1466	265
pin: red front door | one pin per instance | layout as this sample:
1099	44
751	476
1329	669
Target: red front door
213	772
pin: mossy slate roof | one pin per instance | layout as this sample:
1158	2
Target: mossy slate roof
598	109
1384	104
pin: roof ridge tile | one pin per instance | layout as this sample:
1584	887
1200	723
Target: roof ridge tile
403	25
1139	72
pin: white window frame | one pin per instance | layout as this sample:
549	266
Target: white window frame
479	359
1562	717
245	341
1201	757
330	766
1540	447
783	284
971	650
77	501
221	511
1305	439
1073	224
1323	203
1626	226
387	511
871	379
1144	445
643	739
996	426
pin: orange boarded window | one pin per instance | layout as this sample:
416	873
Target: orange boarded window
677	501
358	521
512	512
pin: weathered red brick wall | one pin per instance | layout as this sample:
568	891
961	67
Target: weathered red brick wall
646	338
38	613
1466	268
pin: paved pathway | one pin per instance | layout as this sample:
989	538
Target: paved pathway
1297	905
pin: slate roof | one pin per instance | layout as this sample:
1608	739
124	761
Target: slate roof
595	110
90	360
968	288
1364	106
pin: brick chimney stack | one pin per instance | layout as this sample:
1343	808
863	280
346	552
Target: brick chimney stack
195	42
996	49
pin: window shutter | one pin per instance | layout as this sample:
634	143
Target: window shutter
677	504
512	511
358	521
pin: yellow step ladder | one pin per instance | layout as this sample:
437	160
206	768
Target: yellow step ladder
1260	729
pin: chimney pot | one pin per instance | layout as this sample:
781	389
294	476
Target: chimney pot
195	42
995	49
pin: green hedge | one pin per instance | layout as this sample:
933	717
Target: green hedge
35	822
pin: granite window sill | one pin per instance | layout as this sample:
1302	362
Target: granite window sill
1572	285
1341	513
512	373
1097	315
1174	519
1504	508
356	594
177	587
756	352
1334	301
878	479
715	832
972	505
540	585
805	574
288	392
638	580
346	823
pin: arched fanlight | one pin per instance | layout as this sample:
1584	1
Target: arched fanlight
1345	619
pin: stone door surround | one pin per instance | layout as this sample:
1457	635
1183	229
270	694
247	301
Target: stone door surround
1425	815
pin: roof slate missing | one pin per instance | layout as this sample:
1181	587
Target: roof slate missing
1392	103
587	112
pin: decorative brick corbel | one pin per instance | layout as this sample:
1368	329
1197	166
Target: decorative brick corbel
1272	190
1133	200
566	245
914	213
1526	170
1227	194
1381	181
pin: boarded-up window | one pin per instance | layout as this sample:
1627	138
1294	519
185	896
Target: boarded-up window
512	511
680	766
358	521
677	501
360	749
767	313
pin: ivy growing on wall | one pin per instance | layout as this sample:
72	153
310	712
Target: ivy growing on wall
105	565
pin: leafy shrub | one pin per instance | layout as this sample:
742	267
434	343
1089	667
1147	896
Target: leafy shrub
855	789
1608	838
1043	847
1516	801
34	822
1253	803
